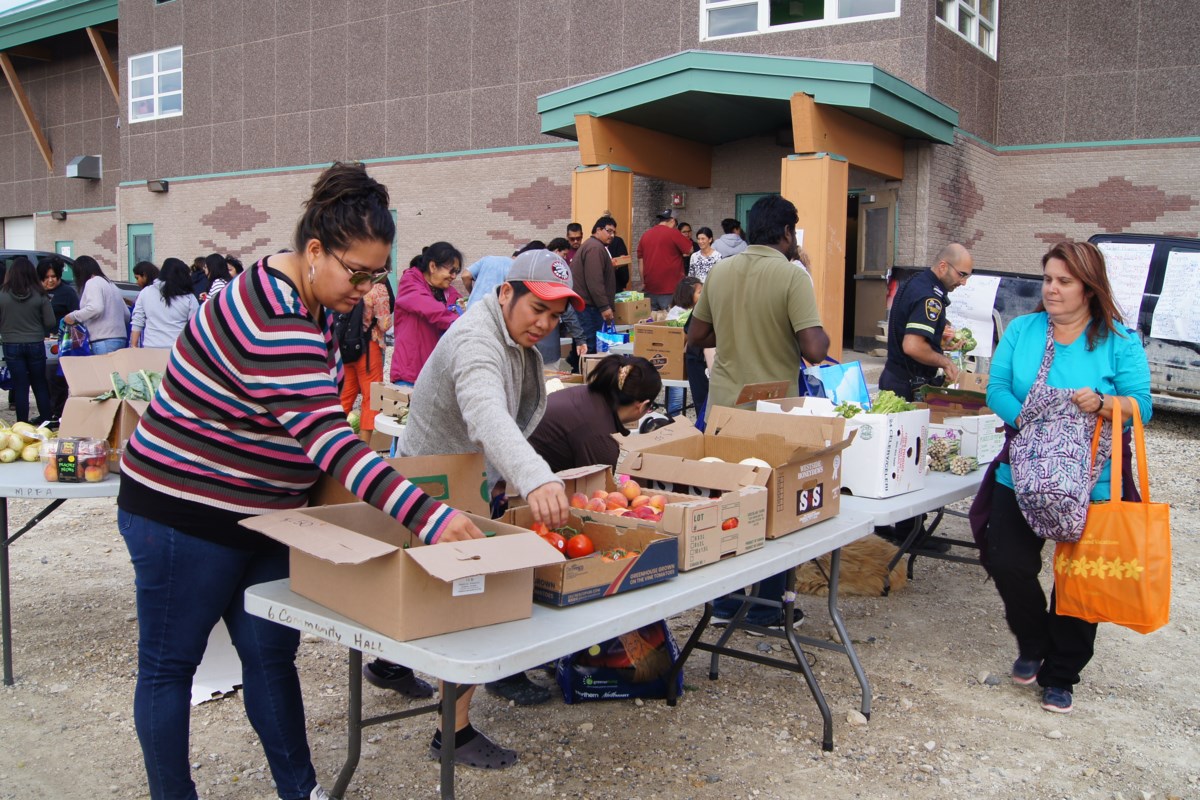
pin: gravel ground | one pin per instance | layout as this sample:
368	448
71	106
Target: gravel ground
947	722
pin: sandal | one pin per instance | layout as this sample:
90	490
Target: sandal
520	690
480	753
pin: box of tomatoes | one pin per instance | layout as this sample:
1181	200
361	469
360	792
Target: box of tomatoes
601	559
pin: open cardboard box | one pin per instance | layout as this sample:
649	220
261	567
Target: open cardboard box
578	580
388	399
887	456
708	529
112	421
360	562
804	454
631	312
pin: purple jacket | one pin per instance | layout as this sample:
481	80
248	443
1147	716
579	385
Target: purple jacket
420	320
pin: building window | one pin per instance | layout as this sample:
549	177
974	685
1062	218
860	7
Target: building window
720	18
156	85
974	20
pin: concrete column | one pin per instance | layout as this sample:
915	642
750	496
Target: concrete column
818	184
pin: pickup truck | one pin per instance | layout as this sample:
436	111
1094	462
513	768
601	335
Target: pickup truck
1174	365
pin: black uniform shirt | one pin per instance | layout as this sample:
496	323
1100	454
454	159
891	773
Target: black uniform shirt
919	308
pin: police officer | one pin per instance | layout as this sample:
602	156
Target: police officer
917	322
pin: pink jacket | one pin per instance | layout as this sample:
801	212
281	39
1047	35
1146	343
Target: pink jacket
420	321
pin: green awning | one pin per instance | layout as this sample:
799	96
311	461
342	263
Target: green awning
716	98
43	19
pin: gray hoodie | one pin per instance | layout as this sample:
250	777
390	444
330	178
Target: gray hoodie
729	245
481	391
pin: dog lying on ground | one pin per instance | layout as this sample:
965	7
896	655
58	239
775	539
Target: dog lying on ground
864	566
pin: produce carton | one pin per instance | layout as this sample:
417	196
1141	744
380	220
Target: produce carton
578	580
887	456
631	312
360	562
803	475
708	529
459	481
662	345
112	421
980	436
388	399
588	363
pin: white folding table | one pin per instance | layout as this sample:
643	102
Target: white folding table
940	490
24	480
485	654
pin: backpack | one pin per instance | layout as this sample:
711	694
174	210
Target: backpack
349	335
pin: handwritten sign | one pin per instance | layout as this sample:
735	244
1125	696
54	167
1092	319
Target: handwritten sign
1177	315
971	307
1128	264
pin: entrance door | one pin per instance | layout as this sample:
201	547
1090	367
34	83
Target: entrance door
742	211
18	233
140	245
876	255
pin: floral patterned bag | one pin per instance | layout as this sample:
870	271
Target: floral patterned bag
1053	470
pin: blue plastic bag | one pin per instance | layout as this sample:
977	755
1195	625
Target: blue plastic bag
73	340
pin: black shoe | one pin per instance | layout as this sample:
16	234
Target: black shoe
387	675
777	625
520	690
932	547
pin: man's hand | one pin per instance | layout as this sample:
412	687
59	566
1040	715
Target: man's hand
608	315
549	504
581	349
951	371
460	529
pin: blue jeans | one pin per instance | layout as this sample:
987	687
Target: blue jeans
102	346
771	588
675	397
27	365
184	585
592	321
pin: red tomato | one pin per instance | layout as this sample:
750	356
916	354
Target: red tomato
556	541
579	546
540	529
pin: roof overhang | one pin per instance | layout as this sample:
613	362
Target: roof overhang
43	19
715	98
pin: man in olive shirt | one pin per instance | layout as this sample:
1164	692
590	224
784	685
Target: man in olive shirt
759	310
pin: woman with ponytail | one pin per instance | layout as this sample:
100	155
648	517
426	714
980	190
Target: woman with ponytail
578	428
245	422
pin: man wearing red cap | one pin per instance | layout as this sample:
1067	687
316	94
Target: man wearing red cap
483	389
661	251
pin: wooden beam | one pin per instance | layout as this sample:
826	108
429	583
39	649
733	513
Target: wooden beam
821	129
14	83
645	152
106	64
34	52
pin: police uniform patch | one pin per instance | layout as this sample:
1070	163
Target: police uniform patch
933	309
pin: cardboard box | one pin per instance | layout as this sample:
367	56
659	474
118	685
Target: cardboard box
887	456
588	363
631	312
663	346
388	399
803	480
360	562
459	481
112	421
707	529
980	436
578	580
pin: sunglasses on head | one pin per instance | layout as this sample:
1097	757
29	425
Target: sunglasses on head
360	276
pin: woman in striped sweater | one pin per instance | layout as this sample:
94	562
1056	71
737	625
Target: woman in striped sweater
247	419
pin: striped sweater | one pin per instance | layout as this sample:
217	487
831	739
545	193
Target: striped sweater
247	419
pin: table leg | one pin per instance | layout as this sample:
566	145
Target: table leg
918	526
5	610
789	603
353	725
835	563
450	694
672	676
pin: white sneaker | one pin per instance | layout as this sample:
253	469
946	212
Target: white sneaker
318	793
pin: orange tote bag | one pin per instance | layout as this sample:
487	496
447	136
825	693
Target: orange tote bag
1120	569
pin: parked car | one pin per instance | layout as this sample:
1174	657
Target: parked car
1174	365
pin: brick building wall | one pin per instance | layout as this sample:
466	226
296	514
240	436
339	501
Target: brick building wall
91	233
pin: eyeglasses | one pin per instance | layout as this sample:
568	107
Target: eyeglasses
962	276
575	239
360	276
454	271
611	231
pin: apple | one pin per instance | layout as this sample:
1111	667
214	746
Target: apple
617	500
631	489
659	502
579	500
596	504
639	501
